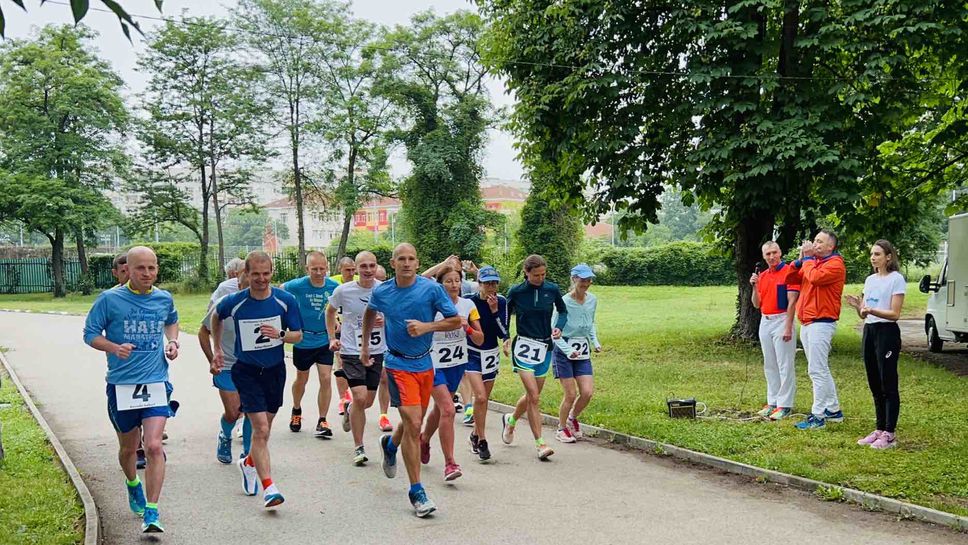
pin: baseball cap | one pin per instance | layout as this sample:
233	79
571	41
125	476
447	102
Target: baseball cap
582	271
488	274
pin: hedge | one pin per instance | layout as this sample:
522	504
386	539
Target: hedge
675	264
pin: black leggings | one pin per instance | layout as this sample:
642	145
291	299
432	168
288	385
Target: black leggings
882	345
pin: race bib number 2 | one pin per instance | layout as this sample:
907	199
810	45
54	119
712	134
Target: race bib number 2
251	336
140	396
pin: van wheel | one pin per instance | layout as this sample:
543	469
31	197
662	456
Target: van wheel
934	341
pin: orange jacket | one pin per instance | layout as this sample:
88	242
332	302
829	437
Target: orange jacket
821	286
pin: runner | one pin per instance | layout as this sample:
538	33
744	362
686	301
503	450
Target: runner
572	358
347	273
265	318
119	269
312	292
449	354
381	273
350	300
223	381
129	324
231	283
383	394
532	304
409	304
484	358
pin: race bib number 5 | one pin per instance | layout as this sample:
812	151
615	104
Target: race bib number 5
140	396
251	336
530	351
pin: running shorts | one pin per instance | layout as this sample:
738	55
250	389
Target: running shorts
125	421
260	388
410	388
358	374
305	358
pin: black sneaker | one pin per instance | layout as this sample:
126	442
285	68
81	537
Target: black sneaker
483	451
322	429
474	443
142	460
295	421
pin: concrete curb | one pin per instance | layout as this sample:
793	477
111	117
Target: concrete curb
92	522
866	500
54	312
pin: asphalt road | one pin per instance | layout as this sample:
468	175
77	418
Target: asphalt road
585	494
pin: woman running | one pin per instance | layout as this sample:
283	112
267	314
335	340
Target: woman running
449	353
532	304
572	362
880	307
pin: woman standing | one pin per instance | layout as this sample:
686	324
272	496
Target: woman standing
880	307
572	356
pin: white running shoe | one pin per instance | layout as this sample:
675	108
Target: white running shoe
250	478
507	431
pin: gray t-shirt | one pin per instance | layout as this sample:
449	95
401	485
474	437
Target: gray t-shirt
228	337
225	288
878	292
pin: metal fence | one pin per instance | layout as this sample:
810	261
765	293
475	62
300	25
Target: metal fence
35	275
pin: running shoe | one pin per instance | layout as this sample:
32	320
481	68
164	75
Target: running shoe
346	418
564	435
241	431
273	497
151	524
833	416
507	431
385	424
474	442
322	429
142	459
422	505
343	402
811	423
224	451
295	421
885	441
451	472
766	411
250	478
458	403
780	413
389	460
575	428
469	416
482	451
136	499
359	457
424	452
545	452
874	436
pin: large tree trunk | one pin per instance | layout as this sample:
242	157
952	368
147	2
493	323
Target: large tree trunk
347	212
82	259
203	236
345	234
750	234
297	185
217	208
57	263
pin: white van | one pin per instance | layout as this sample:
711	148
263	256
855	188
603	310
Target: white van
947	317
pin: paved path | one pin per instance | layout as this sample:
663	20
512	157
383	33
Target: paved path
587	494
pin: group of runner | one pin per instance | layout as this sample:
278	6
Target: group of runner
417	336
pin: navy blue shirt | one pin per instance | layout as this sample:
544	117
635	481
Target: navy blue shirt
494	324
280	310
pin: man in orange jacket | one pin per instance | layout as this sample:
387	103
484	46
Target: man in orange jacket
821	274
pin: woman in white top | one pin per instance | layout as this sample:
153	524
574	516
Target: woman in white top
880	307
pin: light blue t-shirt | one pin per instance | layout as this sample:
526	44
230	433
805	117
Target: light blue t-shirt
421	301
278	310
123	316
312	307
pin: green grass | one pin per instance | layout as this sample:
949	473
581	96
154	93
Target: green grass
38	503
662	342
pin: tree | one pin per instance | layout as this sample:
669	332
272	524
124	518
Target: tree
246	227
61	117
205	124
79	8
770	113
551	229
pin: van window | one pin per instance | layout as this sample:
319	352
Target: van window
944	274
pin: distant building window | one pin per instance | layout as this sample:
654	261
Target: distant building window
383	217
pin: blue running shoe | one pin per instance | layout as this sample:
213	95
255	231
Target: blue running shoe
136	499
389	460
422	505
833	417
224	452
151	524
811	423
273	499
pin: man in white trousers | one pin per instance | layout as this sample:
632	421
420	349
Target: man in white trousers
776	298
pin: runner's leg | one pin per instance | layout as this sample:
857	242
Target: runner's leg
409	434
361	400
384	393
444	406
153	428
532	387
259	453
128	445
480	402
586	388
299	388
325	388
567	401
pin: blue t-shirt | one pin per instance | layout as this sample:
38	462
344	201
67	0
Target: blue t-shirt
421	301
312	307
123	316
279	310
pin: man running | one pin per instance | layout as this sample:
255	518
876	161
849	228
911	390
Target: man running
312	292
265	317
222	380
346	269
484	359
409	303
130	324
119	269
350	300
231	284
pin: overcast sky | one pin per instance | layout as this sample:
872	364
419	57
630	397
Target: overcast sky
499	159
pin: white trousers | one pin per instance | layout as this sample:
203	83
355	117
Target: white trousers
778	361
816	338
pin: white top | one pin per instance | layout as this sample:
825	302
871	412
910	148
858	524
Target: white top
228	336
225	288
350	300
878	291
450	347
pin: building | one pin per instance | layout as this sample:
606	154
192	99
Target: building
320	226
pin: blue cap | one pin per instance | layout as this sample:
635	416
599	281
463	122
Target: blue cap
582	271
488	274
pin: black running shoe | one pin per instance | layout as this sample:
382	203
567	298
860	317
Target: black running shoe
474	443
322	429
295	421
482	451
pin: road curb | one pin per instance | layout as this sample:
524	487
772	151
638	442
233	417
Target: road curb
92	522
53	312
864	499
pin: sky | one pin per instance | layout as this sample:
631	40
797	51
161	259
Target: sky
499	156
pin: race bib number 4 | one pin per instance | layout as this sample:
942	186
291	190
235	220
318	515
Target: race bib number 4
490	360
449	354
251	336
140	396
530	351
578	348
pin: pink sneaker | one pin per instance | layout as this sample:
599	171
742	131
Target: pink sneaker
425	452
575	427
451	472
870	438
885	441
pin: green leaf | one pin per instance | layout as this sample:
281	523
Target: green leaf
79	7
124	17
20	3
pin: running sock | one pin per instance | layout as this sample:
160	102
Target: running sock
248	461
416	487
266	483
133	483
391	448
227	427
297	412
539	442
246	436
150	505
512	421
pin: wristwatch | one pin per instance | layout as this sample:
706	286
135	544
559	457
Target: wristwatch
177	344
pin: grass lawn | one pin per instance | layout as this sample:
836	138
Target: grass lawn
662	342
39	504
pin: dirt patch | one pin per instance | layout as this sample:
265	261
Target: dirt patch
954	357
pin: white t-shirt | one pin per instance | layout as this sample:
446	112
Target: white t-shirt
225	288
450	347
228	337
878	291
350	300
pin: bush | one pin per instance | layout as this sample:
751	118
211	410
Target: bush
382	251
176	260
675	264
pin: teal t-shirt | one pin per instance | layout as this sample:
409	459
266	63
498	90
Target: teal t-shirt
312	303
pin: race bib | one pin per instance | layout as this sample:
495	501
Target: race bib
252	339
376	338
490	360
530	351
140	396
449	353
579	345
